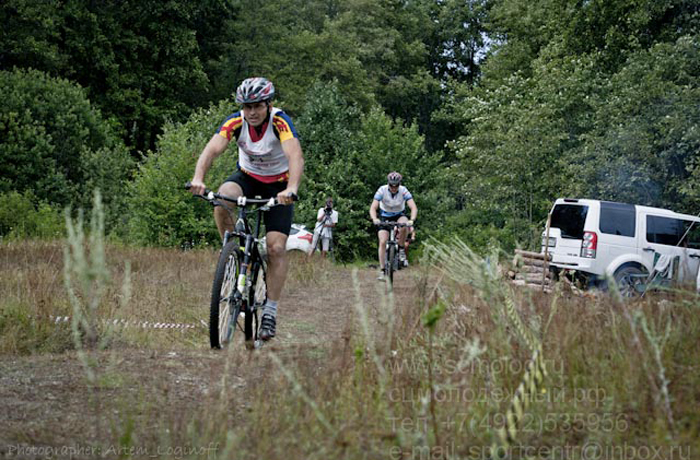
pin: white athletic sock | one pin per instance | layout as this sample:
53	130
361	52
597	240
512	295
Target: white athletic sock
270	308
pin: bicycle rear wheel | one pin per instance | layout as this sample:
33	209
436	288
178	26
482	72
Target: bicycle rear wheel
225	308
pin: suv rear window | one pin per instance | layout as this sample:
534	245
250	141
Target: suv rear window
617	218
569	218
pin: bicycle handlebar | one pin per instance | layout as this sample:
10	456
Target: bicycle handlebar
241	200
392	224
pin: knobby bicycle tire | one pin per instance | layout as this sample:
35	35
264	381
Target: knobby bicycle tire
222	324
257	295
389	264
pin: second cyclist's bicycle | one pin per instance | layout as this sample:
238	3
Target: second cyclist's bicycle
239	290
392	262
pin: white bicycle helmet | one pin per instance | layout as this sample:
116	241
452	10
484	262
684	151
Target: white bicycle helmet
394	178
256	89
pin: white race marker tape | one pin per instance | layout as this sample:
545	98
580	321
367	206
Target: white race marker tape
141	324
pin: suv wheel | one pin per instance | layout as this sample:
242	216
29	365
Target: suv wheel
629	282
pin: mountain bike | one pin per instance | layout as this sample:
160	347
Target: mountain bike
239	288
392	262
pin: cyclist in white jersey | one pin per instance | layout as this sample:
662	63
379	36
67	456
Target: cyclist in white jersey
391	200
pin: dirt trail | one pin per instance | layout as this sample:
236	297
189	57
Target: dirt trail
44	398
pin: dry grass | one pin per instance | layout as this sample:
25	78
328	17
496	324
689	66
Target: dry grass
32	292
348	375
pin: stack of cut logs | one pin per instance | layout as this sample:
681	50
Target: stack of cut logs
531	269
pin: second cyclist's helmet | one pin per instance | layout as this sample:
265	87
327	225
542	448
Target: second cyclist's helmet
394	178
256	89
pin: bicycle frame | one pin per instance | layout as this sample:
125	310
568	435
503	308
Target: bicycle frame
249	246
392	242
391	262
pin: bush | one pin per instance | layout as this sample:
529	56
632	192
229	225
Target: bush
161	212
23	216
56	144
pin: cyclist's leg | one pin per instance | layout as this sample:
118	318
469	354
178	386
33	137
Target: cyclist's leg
278	264
276	275
383	237
401	237
278	222
234	187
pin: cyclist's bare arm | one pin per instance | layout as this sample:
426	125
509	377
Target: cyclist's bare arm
292	150
215	147
414	209
373	211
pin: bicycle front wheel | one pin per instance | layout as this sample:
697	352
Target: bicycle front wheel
257	295
390	267
225	308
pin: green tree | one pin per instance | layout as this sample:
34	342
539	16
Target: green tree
139	63
644	143
293	47
551	117
391	40
31	35
456	40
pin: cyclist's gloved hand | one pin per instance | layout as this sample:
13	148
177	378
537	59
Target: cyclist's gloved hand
376	221
409	223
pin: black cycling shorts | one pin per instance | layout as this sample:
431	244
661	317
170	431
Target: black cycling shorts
278	218
389	219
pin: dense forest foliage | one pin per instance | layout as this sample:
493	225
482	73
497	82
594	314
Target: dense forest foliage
490	108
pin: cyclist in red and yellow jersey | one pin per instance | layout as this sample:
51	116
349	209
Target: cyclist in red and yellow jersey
270	163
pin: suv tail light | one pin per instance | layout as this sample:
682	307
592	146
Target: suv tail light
589	245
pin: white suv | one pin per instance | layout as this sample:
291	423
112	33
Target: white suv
624	241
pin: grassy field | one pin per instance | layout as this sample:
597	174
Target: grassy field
428	371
